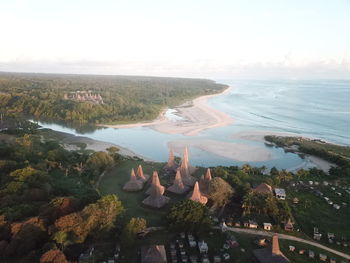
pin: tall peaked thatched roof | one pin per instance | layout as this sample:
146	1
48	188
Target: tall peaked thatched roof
271	254
186	157
140	175
197	196
156	198
171	161
133	184
153	254
178	186
155	182
204	182
263	189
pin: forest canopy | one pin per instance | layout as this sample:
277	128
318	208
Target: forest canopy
125	98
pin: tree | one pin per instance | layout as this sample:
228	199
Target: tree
61	238
99	161
53	256
133	227
220	192
187	215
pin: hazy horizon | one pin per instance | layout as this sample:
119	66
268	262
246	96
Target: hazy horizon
199	39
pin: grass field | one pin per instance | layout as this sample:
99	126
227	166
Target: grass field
114	180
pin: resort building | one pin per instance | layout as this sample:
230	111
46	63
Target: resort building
153	254
280	193
171	164
133	184
289	225
156	198
204	182
263	189
186	170
197	196
270	254
155	183
267	226
140	175
178	186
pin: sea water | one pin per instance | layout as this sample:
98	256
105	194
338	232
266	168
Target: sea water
317	109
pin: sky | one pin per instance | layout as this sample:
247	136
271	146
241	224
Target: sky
294	39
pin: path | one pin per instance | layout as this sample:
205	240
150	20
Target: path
287	237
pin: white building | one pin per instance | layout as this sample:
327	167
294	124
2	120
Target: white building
280	193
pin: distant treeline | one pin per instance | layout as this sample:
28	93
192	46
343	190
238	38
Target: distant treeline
126	98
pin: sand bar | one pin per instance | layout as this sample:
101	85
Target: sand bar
193	119
230	150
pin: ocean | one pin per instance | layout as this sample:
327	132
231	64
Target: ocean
316	109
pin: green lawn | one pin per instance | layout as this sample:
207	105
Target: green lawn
114	180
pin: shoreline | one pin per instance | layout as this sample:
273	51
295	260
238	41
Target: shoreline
69	141
194	119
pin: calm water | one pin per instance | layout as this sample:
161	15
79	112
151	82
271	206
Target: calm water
317	109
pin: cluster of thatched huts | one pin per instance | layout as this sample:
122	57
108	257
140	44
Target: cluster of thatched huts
182	183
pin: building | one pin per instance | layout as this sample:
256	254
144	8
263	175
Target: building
271	254
133	184
155	183
267	226
204	182
288	226
178	186
156	199
280	193
197	196
203	247
153	254
263	189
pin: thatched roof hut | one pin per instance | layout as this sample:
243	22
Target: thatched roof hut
271	254
153	254
155	182
263	189
197	196
156	199
171	164
133	184
178	186
204	182
140	175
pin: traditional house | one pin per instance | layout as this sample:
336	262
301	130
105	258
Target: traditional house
263	189
288	226
271	254
204	182
155	182
267	226
186	170
153	254
156	199
133	184
178	186
280	193
140	175
171	164
197	196
295	200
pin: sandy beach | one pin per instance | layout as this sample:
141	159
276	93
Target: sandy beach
69	141
194	119
230	150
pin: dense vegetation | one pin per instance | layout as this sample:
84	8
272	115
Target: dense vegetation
47	199
126	98
338	154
